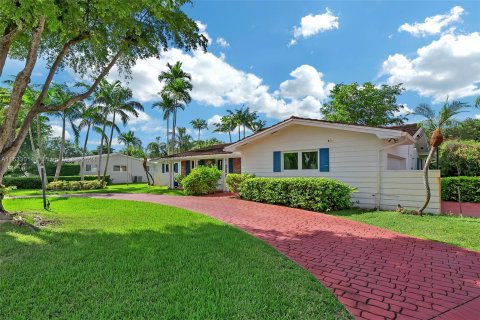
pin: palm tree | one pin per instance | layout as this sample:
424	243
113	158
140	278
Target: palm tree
227	124
477	102
199	124
178	86
129	140
90	118
156	148
435	123
184	139
60	94
124	109
257	125
167	105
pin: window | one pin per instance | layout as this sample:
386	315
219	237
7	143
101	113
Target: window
120	168
193	164
220	164
290	161
166	167
88	167
309	160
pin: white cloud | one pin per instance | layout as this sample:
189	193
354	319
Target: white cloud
142	118
96	143
57	132
433	25
222	42
448	66
313	24
215	119
404	110
202	28
217	83
477	116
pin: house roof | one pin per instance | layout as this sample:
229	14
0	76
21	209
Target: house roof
210	150
381	132
92	157
410	128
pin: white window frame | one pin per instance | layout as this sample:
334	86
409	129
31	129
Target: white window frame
88	168
300	165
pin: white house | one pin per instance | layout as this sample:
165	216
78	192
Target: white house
383	163
121	168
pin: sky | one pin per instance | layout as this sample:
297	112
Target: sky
281	58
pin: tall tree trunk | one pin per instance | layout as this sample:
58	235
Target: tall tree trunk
244	131
5	43
34	151
43	174
100	152
62	150
198	134
425	179
109	144
230	135
168	135
174	135
82	169
239	132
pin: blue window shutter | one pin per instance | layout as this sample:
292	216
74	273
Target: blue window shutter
230	165
187	167
163	167
324	159
175	167
277	161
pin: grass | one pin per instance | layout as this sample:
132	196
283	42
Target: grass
458	231
114	188
123	259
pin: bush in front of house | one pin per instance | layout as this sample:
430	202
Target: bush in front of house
75	185
201	180
317	194
234	180
36	183
469	189
460	158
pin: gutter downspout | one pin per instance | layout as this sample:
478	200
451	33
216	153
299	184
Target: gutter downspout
378	199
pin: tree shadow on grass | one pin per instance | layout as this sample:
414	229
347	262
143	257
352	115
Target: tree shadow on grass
200	271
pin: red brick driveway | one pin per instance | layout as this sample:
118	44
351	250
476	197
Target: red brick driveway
375	273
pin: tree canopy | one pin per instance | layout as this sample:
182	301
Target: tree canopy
364	104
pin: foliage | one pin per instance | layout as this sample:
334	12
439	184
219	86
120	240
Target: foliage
460	158
206	143
4	190
75	185
130	141
234	180
469	189
183	140
199	124
156	149
201	180
202	259
364	104
468	129
226	125
36	183
179	178
317	194
68	169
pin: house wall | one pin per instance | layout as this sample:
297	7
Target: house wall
355	158
134	168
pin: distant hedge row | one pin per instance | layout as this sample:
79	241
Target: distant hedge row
317	194
36	183
469	188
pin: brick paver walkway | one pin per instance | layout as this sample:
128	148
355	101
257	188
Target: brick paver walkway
375	273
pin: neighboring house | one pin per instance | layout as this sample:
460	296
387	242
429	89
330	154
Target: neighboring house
167	168
121	168
383	163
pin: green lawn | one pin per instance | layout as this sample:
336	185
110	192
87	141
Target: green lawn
462	232
114	188
105	259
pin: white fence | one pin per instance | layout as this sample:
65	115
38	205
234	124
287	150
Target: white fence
406	188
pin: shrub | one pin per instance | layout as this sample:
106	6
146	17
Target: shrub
234	180
75	185
201	180
318	194
460	158
469	189
67	169
36	183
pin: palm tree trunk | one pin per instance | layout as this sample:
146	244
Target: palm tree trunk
168	134
230	135
84	152
239	132
425	179
43	176
62	149
109	144
244	131
174	138
100	152
198	134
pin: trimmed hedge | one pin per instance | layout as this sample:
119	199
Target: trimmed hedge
234	180
67	169
469	189
201	180
75	185
317	194
36	183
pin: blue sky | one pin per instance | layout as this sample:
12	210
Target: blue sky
282	57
